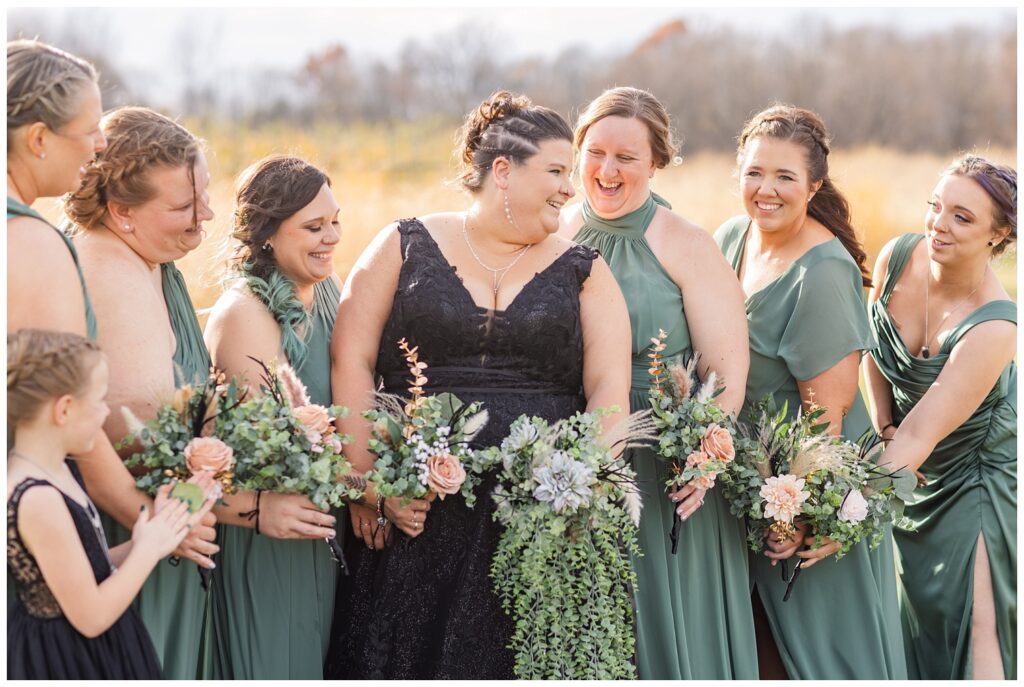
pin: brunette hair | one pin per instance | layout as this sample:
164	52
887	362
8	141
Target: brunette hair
632	103
828	206
42	365
43	85
505	125
1000	183
138	140
268	192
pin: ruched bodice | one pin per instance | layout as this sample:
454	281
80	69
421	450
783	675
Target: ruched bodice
971	490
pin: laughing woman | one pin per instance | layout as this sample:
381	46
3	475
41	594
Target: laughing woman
273	591
802	269
693	608
140	207
943	387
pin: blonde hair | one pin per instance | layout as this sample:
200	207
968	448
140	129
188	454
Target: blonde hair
44	84
42	365
632	103
138	140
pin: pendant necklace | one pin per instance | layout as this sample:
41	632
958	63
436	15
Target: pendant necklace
925	350
497	273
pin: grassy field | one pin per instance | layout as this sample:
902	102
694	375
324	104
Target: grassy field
381	173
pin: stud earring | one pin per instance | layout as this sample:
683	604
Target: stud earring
267	246
990	244
127	227
42	156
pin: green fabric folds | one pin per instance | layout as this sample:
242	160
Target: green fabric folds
971	491
18	209
273	599
842	621
694	619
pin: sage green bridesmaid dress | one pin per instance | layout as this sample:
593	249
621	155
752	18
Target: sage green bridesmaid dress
15	209
842	620
273	599
971	491
693	612
172	603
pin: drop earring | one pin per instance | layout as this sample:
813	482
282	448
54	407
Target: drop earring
508	213
267	246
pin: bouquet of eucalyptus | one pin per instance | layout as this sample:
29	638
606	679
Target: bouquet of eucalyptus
790	470
570	507
185	439
422	445
694	434
286	444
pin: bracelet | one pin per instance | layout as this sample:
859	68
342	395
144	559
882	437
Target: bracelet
381	520
254	514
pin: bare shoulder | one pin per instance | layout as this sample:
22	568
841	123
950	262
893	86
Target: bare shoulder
35	248
108	261
239	313
570	220
675	238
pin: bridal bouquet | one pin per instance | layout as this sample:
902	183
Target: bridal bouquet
695	435
185	438
286	444
790	470
422	445
570	508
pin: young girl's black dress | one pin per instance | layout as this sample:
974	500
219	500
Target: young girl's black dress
41	643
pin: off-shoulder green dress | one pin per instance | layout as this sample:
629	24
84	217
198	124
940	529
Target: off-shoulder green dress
172	603
694	619
273	599
842	621
971	491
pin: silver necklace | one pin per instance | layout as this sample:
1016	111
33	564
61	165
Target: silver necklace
497	273
926	352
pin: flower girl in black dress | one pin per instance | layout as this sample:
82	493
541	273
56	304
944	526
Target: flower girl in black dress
72	619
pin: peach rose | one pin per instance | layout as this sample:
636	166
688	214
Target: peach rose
314	418
445	474
704	482
697	459
209	454
717	443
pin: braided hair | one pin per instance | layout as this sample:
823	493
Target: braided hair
1000	183
505	125
828	206
138	140
44	84
42	365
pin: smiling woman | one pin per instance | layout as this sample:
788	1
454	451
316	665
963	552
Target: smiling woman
141	206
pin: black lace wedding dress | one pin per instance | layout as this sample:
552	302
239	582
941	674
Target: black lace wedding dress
424	608
41	643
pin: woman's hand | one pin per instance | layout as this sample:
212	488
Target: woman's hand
293	516
812	556
690	498
779	549
364	524
411	517
198	544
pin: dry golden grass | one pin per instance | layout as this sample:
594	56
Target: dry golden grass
382	173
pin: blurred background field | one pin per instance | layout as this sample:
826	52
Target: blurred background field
375	96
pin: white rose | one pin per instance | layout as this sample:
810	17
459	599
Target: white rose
854	508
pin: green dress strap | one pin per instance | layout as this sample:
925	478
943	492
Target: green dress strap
16	208
898	260
191	358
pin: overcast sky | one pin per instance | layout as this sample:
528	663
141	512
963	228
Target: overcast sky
145	42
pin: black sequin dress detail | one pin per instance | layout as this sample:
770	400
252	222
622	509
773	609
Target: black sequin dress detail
425	608
41	643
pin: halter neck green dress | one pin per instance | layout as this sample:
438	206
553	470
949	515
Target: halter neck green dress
15	209
172	602
971	490
273	599
842	621
694	619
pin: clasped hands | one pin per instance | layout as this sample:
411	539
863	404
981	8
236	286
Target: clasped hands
779	548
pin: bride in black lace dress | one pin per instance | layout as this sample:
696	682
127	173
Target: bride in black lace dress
505	312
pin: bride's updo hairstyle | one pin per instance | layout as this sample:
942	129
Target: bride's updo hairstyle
509	126
138	141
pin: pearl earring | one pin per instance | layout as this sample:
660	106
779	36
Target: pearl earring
42	156
127	227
